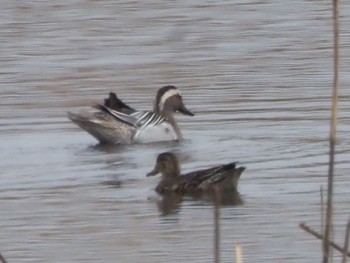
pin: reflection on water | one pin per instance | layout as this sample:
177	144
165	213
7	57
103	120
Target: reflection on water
170	203
256	73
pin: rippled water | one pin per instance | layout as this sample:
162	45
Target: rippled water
258	75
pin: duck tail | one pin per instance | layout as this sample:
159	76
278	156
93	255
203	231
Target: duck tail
233	167
92	126
77	118
235	175
229	166
240	170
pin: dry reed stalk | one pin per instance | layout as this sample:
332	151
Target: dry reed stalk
332	137
346	243
2	259
239	258
217	199
319	236
322	215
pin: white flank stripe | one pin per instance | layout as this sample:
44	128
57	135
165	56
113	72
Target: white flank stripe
155	121
115	113
145	115
150	118
160	119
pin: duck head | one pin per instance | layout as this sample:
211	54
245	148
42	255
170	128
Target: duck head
169	100
167	165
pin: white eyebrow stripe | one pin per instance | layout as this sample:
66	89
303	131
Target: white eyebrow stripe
167	95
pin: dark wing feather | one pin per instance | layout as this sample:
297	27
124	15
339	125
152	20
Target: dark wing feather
113	102
202	179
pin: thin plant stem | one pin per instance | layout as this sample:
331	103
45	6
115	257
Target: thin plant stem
322	214
239	258
319	236
2	259
346	243
217	199
332	137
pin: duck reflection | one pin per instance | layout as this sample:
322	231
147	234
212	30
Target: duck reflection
170	203
108	148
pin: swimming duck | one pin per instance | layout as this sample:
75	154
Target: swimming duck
117	123
223	177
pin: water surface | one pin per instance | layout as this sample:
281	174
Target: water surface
258	75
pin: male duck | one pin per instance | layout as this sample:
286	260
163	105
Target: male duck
223	177
117	123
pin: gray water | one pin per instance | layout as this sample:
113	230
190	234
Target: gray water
258	75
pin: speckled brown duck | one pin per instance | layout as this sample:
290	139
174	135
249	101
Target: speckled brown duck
222	177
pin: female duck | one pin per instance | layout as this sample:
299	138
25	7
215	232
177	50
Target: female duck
117	123
224	177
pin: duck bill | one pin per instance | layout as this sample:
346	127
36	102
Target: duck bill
185	111
153	172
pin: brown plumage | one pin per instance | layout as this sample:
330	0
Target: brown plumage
223	177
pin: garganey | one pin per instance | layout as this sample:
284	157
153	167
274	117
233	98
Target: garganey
117	123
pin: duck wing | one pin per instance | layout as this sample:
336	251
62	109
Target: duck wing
203	179
114	103
138	119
